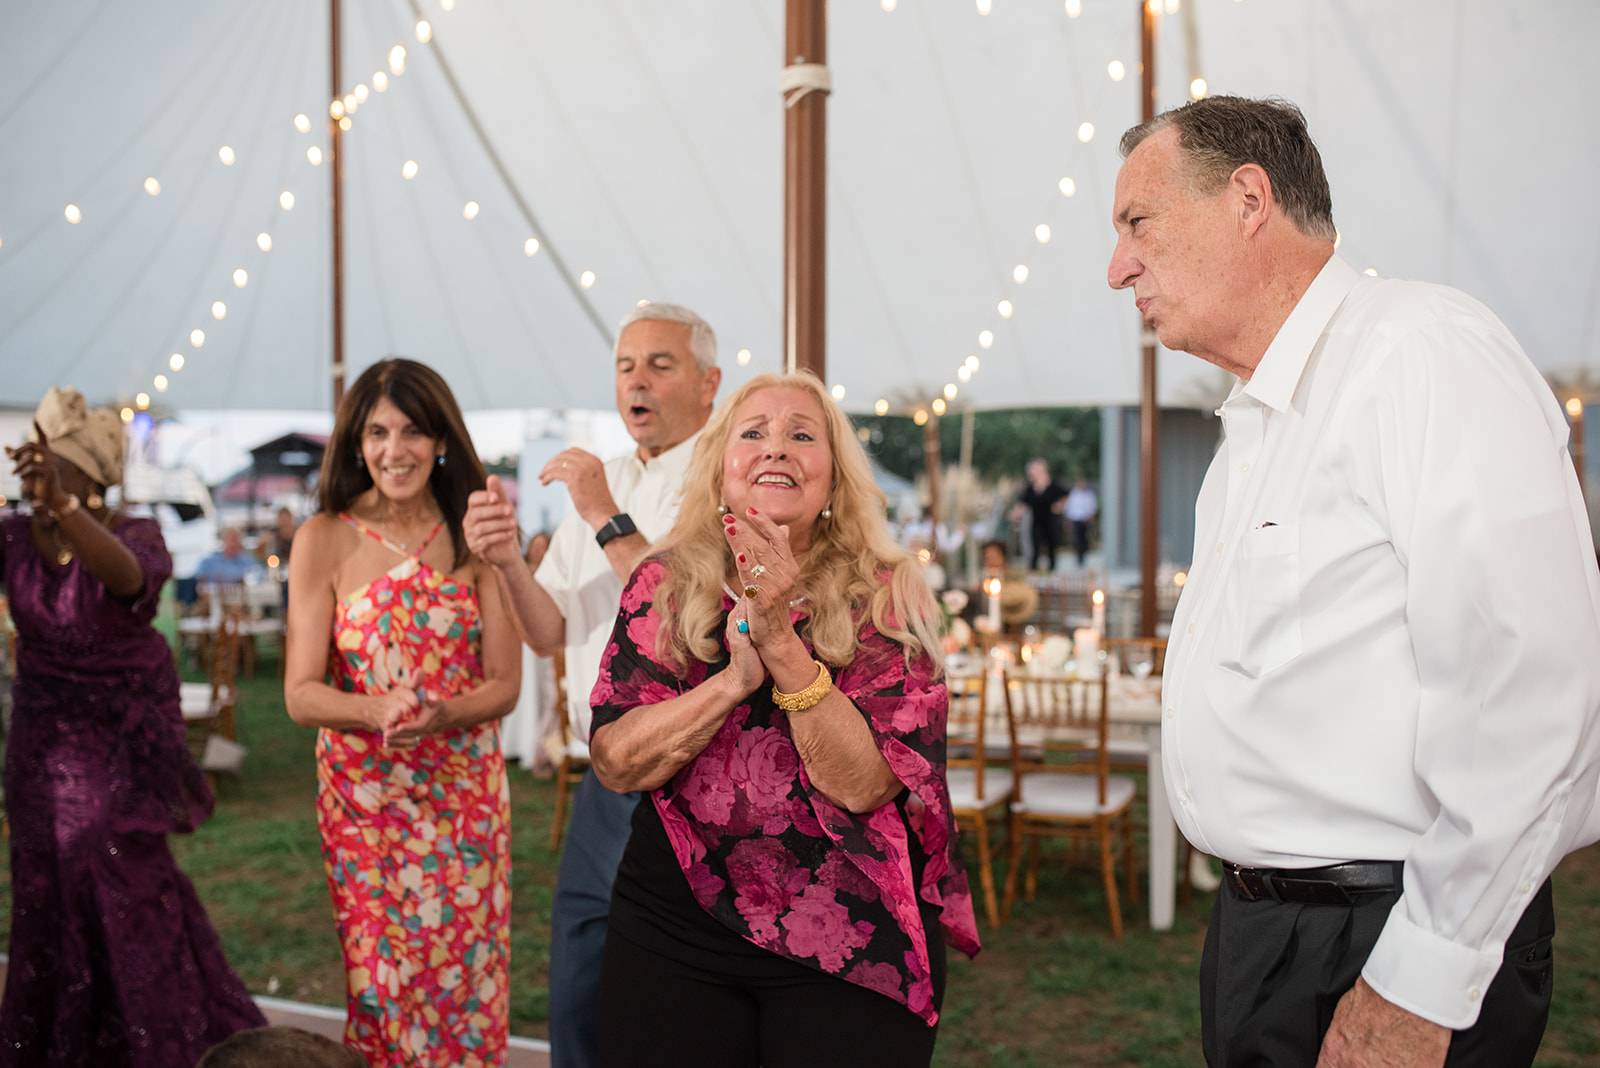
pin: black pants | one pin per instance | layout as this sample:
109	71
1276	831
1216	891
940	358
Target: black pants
1045	539
1272	974
660	1012
1080	539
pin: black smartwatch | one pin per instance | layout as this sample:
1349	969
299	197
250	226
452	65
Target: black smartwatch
617	526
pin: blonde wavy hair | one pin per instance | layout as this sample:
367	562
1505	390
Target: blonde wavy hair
841	576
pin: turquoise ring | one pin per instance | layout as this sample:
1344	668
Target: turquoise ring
744	626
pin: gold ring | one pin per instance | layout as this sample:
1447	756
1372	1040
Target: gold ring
751	590
758	571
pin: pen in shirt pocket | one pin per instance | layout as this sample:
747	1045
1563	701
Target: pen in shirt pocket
1265	525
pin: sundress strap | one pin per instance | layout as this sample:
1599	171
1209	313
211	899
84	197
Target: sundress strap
385	542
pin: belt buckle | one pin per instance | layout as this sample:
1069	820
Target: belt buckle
1252	884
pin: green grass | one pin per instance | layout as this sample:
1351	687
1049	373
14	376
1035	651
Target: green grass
1049	988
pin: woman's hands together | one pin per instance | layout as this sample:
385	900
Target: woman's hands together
769	574
407	714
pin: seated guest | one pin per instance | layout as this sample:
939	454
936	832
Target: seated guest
230	563
773	682
1018	600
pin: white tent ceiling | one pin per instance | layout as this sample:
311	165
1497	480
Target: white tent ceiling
645	136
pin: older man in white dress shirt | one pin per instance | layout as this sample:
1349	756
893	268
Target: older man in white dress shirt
1383	684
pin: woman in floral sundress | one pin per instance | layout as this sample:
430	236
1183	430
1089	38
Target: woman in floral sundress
787	892
412	799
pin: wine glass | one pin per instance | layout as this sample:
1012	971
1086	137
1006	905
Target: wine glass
1141	661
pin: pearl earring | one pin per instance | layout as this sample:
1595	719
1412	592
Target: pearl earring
827	510
722	508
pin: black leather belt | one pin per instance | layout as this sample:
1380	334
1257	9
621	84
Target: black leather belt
1339	884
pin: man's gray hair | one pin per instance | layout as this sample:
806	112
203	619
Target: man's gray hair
1220	134
702	339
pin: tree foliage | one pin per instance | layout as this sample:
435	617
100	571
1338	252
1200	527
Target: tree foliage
1067	439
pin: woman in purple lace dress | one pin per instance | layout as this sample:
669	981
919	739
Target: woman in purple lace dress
788	890
112	959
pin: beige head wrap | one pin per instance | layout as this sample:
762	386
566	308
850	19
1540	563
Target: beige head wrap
90	440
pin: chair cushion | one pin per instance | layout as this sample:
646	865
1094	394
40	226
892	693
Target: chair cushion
1071	796
194	698
996	788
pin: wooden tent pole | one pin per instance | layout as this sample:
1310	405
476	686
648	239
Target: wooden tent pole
805	142
338	207
1149	413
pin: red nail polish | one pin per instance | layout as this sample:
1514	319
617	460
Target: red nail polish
752	511
732	532
741	558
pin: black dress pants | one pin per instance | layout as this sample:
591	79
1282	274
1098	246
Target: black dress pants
1273	972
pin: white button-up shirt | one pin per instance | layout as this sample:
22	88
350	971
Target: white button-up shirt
1388	646
578	576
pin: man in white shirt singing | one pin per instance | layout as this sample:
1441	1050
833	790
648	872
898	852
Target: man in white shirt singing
667	377
1383	694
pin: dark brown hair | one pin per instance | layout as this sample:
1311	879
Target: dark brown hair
1220	134
418	391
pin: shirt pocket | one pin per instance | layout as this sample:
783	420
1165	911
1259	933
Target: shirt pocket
1260	627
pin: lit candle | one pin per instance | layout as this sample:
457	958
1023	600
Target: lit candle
1099	611
1086	651
993	588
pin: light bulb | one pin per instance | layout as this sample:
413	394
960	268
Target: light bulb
219	310
1116	70
1019	273
314	154
286	200
344	123
127	415
881	407
743	357
142	400
197	337
888	5
380	81
176	362
972	362
950	391
986	338
920	417
409	169
397	59
530	246
351	103
586	279
1074	8
336	109
225	154
1086	132
1004	308
837	391
937	406
152	186
1042	234
264	241
161	383
302	123
72	213
361	94
241	277
1197	88
470	211
424	31
1067	186
964	372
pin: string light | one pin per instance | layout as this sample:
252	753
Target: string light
1067	186
409	169
142	400
225	154
1172	7
314	154
881	407
985	6
586	279
1575	406
530	246
152	186
73	214
336	108
397	60
964	373
950	391
1019	273
888	5
351	103
241	277
1042	233
1116	70
972	362
985	338
920	417
264	241
1197	88
380	81
161	383
302	123
1004	308
937	406
1074	8
361	94
1086	132
837	391
344	123
424	31
219	310
448	5
743	357
176	362
286	200
197	337
127	415
470	211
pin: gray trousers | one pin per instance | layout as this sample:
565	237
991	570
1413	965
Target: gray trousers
1272	973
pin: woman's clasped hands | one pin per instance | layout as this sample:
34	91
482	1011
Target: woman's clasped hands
760	629
407	714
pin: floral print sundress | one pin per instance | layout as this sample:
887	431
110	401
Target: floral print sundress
773	859
416	841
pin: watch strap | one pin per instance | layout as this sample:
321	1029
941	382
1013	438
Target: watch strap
618	526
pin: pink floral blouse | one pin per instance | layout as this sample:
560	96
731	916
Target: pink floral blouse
773	859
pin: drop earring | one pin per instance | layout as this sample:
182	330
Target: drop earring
722	508
827	510
94	501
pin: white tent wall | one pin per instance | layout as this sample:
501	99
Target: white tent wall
645	137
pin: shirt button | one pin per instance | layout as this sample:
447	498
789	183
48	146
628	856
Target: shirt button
1191	628
1245	466
1170	713
1527	888
1219	546
1474	994
1183	799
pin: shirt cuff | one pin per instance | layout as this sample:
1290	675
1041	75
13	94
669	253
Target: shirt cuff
1428	975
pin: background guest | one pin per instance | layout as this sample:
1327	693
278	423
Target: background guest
773	683
1080	509
112	959
412	799
1042	500
230	563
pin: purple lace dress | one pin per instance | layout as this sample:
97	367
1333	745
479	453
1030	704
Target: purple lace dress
113	961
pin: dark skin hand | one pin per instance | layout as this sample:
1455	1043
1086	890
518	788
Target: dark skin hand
47	482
